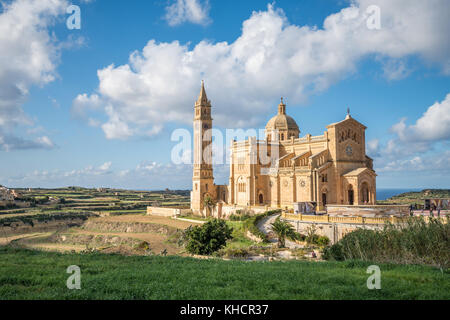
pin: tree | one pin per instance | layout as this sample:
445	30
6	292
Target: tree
283	230
209	204
207	238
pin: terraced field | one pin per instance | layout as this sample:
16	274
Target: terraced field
78	219
129	235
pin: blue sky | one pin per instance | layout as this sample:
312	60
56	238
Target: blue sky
80	111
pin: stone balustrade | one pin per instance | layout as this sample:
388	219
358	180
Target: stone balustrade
348	220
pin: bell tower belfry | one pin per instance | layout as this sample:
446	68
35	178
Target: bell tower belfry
203	179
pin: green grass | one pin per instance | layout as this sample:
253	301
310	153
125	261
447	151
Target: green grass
240	239
28	274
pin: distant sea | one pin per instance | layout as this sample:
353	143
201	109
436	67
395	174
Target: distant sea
386	193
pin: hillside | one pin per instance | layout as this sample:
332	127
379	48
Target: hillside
417	197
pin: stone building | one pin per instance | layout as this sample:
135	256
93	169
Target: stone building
285	168
6	194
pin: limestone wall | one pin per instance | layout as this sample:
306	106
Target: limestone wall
227	211
334	231
166	212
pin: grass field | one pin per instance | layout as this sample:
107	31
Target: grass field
28	274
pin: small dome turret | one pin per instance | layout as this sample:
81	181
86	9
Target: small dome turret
282	124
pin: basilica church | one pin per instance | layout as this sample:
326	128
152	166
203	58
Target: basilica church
285	168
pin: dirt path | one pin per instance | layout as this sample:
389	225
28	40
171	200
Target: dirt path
265	225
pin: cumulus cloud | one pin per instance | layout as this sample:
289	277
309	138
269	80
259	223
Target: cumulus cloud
439	162
417	146
434	125
193	11
271	58
29	56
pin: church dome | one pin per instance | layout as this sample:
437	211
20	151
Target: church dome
284	124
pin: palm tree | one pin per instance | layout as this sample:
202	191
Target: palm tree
210	204
283	230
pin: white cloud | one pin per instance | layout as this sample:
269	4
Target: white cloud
434	125
115	128
271	58
418	146
395	69
372	147
193	11
439	162
29	55
84	103
106	166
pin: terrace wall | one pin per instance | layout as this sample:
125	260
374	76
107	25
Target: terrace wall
166	212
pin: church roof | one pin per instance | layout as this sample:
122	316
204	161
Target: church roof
347	118
282	121
356	172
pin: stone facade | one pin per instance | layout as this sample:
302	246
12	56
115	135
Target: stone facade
285	168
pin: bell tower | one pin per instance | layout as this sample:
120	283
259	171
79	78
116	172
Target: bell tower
203	179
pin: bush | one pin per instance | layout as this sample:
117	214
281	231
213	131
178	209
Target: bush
234	253
322	241
415	242
207	238
239	217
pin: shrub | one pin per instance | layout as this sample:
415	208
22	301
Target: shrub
311	236
415	242
322	241
235	217
207	238
234	253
